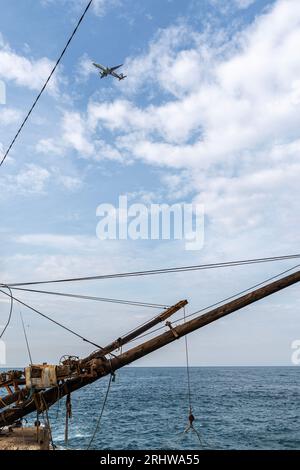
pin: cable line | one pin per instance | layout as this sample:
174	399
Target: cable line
191	417
46	83
26	339
218	303
188	367
244	291
10	311
198	267
51	320
98	299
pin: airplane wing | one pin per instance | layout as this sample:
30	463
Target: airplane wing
114	74
99	66
112	69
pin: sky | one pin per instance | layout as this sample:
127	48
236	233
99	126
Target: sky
209	114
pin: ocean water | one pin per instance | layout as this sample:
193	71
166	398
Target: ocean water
147	408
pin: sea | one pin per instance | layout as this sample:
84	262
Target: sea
148	408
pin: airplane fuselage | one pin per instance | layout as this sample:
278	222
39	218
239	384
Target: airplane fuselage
106	71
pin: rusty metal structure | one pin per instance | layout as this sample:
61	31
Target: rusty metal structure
12	379
38	387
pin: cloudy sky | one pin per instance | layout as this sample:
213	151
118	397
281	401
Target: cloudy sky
209	114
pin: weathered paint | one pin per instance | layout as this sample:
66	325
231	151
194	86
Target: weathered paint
41	376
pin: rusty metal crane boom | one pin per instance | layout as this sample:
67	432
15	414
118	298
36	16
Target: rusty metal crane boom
104	366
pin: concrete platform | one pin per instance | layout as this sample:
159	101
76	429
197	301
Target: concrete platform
25	439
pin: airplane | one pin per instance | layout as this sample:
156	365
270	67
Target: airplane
105	71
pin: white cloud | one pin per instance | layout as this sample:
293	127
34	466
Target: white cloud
233	129
31	179
71	183
100	7
245	101
59	242
244	3
25	72
229	131
75	135
226	6
49	147
9	116
34	179
85	68
170	61
234	126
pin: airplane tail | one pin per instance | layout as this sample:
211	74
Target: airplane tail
122	77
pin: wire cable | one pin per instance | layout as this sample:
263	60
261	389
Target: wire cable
161	271
97	299
10	311
46	83
218	303
245	290
26	339
188	366
51	320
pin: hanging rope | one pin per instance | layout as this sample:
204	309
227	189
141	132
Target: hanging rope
187	365
191	418
10	310
47	318
58	402
42	408
26	339
68	417
111	379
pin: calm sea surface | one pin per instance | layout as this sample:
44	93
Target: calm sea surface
147	408
235	408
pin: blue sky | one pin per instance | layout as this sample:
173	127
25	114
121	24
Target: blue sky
209	114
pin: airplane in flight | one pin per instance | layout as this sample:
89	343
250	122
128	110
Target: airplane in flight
105	71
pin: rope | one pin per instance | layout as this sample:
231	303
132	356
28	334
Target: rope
98	299
48	421
190	426
187	367
218	303
138	327
68	417
10	311
249	288
111	377
46	83
58	403
53	321
162	271
26	339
